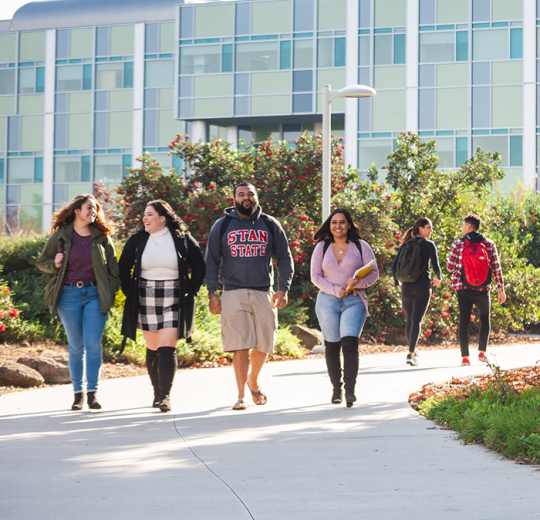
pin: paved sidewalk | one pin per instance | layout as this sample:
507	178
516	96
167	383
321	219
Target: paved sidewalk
295	458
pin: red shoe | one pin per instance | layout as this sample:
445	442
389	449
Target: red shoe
465	362
482	357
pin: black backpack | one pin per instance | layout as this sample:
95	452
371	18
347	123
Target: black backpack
409	262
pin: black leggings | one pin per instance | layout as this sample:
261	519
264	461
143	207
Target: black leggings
415	299
466	300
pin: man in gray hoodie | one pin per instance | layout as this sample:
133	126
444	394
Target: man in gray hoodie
240	249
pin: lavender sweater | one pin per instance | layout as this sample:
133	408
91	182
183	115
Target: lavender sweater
330	277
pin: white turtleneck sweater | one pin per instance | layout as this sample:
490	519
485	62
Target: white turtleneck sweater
159	258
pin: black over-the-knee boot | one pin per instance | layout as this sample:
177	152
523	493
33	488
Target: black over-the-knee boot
349	345
153	372
333	363
167	369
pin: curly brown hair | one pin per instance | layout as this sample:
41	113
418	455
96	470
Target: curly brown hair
66	215
163	209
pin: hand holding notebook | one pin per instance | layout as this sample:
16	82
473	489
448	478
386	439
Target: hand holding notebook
362	272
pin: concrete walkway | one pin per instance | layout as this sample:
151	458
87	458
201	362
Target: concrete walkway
295	458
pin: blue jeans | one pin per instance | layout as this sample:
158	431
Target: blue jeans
84	323
340	317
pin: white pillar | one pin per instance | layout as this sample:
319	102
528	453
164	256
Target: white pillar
351	75
411	67
232	136
198	131
138	94
48	142
529	94
326	161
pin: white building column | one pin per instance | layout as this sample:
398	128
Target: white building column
351	75
48	141
529	94
138	94
198	131
232	136
411	67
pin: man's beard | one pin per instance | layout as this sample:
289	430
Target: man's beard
240	208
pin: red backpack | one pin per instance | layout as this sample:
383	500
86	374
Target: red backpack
475	271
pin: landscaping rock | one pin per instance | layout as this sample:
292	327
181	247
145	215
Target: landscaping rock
308	337
394	337
15	374
54	372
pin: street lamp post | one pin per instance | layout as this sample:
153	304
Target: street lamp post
353	91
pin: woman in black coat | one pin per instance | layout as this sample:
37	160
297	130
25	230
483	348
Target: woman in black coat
161	272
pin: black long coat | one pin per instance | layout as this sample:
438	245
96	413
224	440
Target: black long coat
191	272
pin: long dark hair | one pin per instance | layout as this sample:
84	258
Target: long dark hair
324	233
163	209
66	215
412	232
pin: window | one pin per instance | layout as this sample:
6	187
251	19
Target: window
257	56
158	73
67	169
108	168
303	54
383	49
73	77
7	81
227	58
364	51
436	47
325	52
200	59
285	55
20	170
490	45
109	76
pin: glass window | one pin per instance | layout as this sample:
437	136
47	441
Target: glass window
303	54
38	170
285	55
516	150
7	81
186	22
491	143
128	74
109	76
426	109
67	169
151	39
108	168
480	10
365	13
462	46
490	45
462	150
40	79
373	151
445	152
340	52
227	58
85	168
87	77
325	52
364	50
62	44
426	75
243	18
516	44
399	49
436	47
303	15
200	59
302	80
102	41
27	80
256	56
383	49
68	78
427	12
158	73
20	170
302	103
481	107
481	73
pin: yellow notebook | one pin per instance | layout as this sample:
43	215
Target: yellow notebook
362	272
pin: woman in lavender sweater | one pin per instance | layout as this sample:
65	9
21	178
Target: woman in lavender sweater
341	313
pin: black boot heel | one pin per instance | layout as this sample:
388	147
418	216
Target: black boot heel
79	401
93	402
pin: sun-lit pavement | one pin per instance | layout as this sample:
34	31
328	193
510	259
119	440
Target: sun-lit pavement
295	458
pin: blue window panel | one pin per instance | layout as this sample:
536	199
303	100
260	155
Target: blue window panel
102	100
444	132
377	135
62	44
516	150
27	63
364	76
265	37
163	149
241	84
177	164
98	152
285	55
60	131
186	42
426	75
241	39
112	58
481	26
186	22
14	133
150	56
38	170
302	103
87	77
481	10
102	41
499	24
40	79
85	168
427	28
364	31
167	55
62	62
462	46
1	171
98	60
480	132
516	44
185	108
73	152
364	135
538	105
481	73
364	13
78	60
243	18
499	131
302	81
207	40
462	150
481	107
364	114
383	31
241	106
61	102
126	164
27	154
101	130
399	49
227	58
339	52
186	87
427	12
449	27
303	15
150	127
426	108
128	74
151	38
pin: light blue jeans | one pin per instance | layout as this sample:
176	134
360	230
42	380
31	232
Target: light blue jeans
84	323
340	317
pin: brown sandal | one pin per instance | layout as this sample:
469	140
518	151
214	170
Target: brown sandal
258	395
240	405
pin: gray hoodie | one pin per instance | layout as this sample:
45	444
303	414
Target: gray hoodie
243	260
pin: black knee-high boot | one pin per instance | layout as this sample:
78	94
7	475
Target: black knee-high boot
167	369
152	366
350	367
333	363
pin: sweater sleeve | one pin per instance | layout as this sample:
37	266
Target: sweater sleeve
126	263
196	264
317	274
283	256
368	255
213	257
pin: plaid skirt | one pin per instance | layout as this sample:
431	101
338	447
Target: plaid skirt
158	304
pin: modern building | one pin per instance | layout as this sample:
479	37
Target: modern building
88	85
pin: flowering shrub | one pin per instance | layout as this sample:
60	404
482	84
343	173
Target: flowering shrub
9	315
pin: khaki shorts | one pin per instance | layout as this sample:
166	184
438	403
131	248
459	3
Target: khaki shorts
248	320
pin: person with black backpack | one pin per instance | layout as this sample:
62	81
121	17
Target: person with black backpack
342	305
411	269
472	262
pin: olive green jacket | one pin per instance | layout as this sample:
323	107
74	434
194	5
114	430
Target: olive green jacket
103	261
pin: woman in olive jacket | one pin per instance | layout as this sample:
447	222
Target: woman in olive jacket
161	303
81	257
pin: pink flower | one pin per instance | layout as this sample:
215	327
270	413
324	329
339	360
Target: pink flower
13	313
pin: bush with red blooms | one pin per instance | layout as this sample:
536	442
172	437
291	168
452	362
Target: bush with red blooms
8	313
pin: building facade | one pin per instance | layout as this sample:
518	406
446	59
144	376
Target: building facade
86	87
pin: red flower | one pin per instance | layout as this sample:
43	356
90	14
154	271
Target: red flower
1	314
473	317
13	313
6	290
382	293
447	296
2	327
402	312
446	314
430	323
427	333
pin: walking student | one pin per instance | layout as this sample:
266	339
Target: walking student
241	248
413	278
473	262
162	270
341	312
81	257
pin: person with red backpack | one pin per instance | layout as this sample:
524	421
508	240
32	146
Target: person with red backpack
472	262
